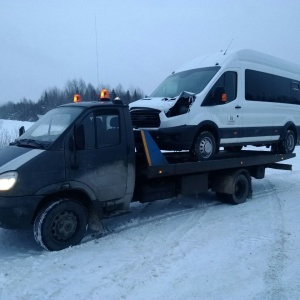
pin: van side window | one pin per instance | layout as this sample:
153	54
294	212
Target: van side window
260	86
295	93
225	85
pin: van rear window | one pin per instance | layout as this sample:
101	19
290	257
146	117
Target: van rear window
260	86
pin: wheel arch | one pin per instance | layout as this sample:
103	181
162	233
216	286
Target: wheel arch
76	194
223	183
289	126
208	126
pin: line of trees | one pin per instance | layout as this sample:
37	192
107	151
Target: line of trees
27	110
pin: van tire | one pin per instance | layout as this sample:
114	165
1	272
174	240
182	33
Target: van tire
288	143
205	146
60	224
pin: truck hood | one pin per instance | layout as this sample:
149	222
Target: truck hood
161	103
13	157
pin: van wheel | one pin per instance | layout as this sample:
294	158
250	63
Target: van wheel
60	224
205	146
287	145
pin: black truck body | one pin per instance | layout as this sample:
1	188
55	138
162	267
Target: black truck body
79	163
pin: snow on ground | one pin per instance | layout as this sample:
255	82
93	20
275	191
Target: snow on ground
9	130
187	248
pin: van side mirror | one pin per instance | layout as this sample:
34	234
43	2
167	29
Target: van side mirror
79	137
220	95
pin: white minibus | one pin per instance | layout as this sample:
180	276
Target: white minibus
228	100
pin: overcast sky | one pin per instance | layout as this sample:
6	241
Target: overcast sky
46	43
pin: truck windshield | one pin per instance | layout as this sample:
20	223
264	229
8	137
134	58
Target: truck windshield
193	81
49	127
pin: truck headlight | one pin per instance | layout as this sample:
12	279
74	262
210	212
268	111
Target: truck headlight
8	180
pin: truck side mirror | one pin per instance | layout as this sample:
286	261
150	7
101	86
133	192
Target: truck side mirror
79	137
21	130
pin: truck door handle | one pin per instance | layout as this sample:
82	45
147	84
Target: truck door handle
238	106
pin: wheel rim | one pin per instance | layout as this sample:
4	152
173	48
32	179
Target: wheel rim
290	141
206	147
64	226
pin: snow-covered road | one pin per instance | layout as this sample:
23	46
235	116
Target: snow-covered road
187	248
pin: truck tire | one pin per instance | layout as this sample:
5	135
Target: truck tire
205	146
241	189
60	224
287	145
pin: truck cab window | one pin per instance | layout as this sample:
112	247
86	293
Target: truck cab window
107	130
89	131
101	130
226	84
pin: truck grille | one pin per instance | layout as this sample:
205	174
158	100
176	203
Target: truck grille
146	118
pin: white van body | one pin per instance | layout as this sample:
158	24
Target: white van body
240	98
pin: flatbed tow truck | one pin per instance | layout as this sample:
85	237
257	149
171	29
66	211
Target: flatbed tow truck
78	164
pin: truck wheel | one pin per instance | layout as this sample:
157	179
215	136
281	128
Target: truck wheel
287	145
205	146
60	225
241	190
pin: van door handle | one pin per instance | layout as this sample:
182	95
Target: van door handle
238	106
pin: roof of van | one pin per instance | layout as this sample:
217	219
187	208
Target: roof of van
223	58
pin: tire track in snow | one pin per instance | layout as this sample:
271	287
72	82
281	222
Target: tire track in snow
173	246
155	212
272	187
278	257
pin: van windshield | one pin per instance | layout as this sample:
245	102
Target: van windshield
49	127
193	81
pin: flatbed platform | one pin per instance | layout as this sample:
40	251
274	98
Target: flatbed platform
154	163
224	160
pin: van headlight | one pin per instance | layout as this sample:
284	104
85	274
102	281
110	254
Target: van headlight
8	180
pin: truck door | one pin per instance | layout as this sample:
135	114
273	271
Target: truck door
102	164
225	107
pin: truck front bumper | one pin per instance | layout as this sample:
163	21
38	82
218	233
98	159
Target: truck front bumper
17	212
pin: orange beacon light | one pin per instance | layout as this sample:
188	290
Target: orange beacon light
77	98
104	96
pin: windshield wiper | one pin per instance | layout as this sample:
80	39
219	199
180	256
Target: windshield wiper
28	143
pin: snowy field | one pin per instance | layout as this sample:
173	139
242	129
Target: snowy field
187	248
9	130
